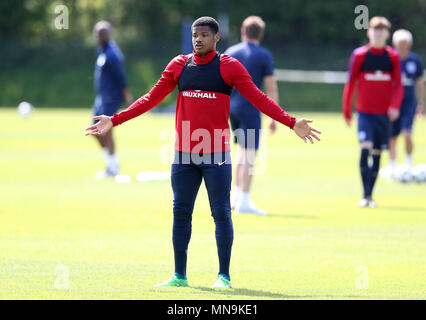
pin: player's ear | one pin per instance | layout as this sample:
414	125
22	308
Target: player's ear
217	37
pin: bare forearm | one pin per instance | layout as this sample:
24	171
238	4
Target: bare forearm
420	90
125	93
271	89
127	97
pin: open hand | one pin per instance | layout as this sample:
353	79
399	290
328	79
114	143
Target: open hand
393	114
304	131
101	127
348	122
272	126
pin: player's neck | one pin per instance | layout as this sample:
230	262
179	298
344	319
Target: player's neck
254	41
403	54
377	48
205	57
104	43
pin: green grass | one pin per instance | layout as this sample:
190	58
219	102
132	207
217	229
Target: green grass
115	240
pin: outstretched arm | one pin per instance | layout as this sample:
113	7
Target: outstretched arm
234	73
162	88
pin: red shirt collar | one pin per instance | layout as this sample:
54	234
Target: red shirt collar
203	60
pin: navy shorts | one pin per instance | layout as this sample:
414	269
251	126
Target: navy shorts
246	128
374	128
405	120
100	108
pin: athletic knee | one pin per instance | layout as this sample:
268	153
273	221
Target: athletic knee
366	145
224	228
182	212
407	134
376	152
221	213
222	216
363	162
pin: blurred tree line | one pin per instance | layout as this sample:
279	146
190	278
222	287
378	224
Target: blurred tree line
54	67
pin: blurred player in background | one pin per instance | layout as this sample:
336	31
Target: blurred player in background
375	70
111	90
244	117
412	80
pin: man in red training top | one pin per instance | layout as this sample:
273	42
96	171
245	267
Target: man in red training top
375	70
205	79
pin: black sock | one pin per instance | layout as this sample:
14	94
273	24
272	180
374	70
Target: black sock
224	239
181	235
365	172
374	171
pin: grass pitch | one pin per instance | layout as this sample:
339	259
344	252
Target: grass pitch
65	235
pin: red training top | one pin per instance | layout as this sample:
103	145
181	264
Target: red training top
203	102
378	74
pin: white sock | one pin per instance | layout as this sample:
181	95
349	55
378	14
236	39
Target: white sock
409	160
245	199
236	194
393	164
106	154
111	161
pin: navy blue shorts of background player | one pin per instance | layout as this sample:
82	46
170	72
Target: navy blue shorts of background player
100	108
374	128
246	126
405	120
244	116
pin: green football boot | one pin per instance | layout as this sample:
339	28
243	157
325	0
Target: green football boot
222	282
174	281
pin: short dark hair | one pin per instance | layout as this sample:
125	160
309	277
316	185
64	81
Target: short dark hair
206	21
